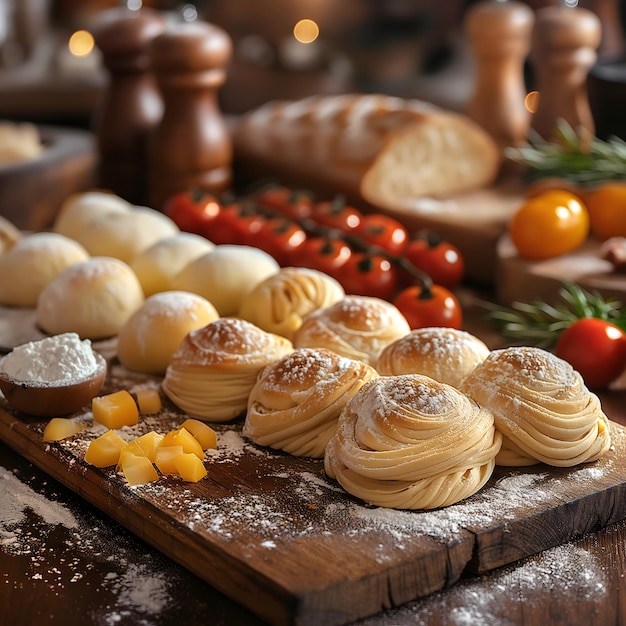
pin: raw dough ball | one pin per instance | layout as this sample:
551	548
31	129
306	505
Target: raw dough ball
32	263
9	235
81	208
94	298
123	235
226	275
157	265
154	332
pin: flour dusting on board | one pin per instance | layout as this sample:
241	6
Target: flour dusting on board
34	526
557	575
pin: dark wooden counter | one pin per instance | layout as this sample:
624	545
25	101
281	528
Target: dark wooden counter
63	562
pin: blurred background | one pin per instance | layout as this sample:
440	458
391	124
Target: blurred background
51	73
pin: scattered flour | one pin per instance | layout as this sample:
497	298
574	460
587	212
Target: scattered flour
35	527
559	574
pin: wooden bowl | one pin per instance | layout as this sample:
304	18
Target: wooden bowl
53	400
32	192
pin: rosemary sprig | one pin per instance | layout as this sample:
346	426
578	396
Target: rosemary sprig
574	156
540	323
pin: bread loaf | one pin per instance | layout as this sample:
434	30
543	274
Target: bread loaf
382	150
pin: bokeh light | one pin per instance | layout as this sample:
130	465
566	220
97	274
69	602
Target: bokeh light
81	43
306	31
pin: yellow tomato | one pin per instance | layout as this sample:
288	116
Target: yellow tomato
549	224
607	210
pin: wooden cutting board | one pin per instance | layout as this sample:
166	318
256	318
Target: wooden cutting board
275	534
520	280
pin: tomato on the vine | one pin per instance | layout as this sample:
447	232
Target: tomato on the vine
382	231
282	238
192	210
366	274
440	259
326	254
595	348
236	224
548	225
425	306
337	214
293	203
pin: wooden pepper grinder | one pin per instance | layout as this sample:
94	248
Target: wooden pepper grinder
565	44
499	34
191	147
131	105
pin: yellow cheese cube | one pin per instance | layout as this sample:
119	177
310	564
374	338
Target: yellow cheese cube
105	450
138	470
60	428
205	435
182	437
190	467
115	409
148	444
149	401
166	457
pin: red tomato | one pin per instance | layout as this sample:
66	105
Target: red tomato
594	347
440	259
236	223
366	274
282	238
337	214
193	210
325	254
291	203
384	232
424	307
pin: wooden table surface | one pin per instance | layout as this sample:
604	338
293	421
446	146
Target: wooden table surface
63	562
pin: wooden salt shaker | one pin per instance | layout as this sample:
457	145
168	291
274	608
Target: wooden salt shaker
191	147
131	105
499	34
564	47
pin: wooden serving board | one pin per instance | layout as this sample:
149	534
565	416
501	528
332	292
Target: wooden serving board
275	534
520	280
474	222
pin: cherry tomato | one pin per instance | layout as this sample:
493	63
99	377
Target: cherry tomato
366	274
595	348
292	203
548	225
282	238
326	254
440	259
424	307
607	210
382	231
337	214
193	210
236	223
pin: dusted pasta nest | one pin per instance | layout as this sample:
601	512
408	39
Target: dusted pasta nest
279	303
541	406
212	372
410	442
445	354
295	403
357	327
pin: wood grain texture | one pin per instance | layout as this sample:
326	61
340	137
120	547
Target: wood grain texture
273	533
524	281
